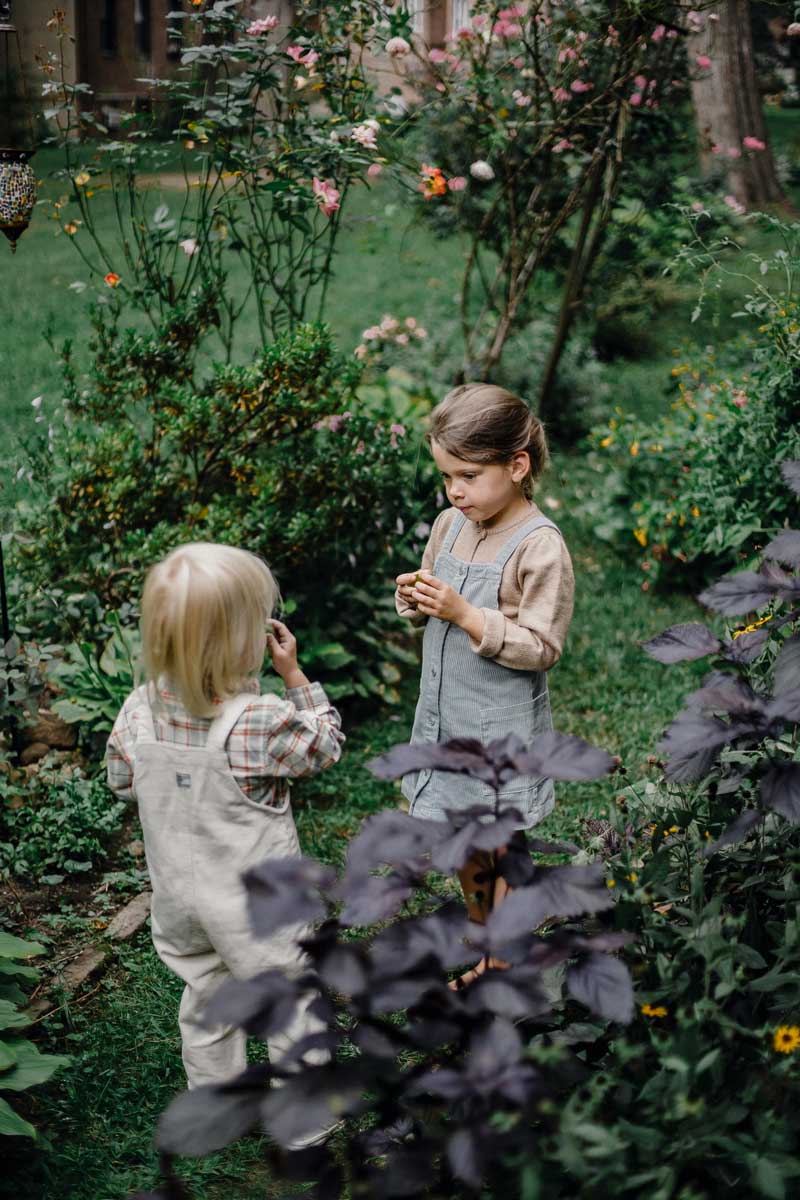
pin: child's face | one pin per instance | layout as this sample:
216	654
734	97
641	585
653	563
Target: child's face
482	491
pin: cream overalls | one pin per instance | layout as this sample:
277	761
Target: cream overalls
201	832
463	694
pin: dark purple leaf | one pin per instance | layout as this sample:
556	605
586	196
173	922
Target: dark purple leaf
464	1157
380	1043
262	1006
785	707
785	548
740	592
374	898
603	984
537	846
746	647
561	756
608	940
787	666
556	892
208	1118
452	853
313	1100
728	694
780	790
393	839
500	993
681	643
465	756
692	744
286	891
392	994
738	830
344	970
441	937
790	470
444	1081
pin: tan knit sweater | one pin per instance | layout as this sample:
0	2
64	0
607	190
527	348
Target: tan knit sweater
528	630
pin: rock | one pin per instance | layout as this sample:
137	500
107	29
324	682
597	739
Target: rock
33	753
51	730
136	847
130	919
88	963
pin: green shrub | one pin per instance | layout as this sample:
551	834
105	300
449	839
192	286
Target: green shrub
63	826
281	456
21	1064
698	485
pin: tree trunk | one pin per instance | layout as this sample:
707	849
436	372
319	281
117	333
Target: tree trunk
727	105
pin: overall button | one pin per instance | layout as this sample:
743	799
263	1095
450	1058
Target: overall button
434	672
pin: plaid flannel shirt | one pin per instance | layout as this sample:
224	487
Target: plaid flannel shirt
274	740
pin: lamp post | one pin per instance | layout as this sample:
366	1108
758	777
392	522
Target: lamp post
17	180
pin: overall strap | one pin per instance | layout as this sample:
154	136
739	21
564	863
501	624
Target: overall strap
519	535
453	532
145	726
220	728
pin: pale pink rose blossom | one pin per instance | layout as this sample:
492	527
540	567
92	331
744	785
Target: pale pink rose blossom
481	170
520	99
561	146
402	339
793	30
419	332
703	61
326	195
695	21
361	351
360	448
303	56
566	54
438	56
374	170
464	35
479	21
510	14
658	33
753	143
371	334
506	29
672	33
636	99
410	322
366	134
581	85
739	398
697	206
641	82
189	246
561	95
389	324
457	183
397	47
734	205
733	152
262	25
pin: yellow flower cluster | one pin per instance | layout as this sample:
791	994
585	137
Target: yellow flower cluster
751	628
654	1010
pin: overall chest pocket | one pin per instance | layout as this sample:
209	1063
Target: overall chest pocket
525	720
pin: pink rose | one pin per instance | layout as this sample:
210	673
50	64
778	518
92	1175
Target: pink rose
739	399
703	61
753	143
561	95
564	144
397	47
580	85
374	170
733	152
457	183
636	99
361	351
262	25
658	33
641	82
302	56
326	195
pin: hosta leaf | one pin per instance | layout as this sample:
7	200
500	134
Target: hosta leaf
740	592
208	1118
603	984
787	666
780	790
682	643
790	470
14	947
12	1124
11	1017
785	548
30	1067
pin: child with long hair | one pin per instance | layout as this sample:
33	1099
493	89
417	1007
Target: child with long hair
208	758
495	592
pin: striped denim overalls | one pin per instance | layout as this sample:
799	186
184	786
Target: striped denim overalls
463	694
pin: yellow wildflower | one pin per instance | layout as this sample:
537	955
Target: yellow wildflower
634	448
82	179
606	441
786	1039
641	536
610	883
632	877
654	1010
695	511
751	628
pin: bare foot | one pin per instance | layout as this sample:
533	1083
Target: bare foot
485	964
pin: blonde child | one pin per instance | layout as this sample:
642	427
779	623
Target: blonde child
209	759
495	592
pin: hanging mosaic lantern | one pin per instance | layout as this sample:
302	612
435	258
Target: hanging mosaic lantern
17	193
17	180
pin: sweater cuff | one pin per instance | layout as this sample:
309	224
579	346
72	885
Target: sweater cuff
310	695
494	630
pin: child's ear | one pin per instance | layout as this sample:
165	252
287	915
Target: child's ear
520	466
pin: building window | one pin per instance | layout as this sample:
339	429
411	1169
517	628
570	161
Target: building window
141	27
174	38
418	10
108	27
459	10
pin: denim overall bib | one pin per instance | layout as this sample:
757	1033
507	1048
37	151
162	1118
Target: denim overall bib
201	832
465	695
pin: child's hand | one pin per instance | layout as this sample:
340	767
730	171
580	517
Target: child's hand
437	599
405	585
282	647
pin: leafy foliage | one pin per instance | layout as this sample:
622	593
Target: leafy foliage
58	825
22	1066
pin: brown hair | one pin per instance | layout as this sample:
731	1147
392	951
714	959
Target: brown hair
481	423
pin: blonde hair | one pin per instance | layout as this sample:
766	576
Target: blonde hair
481	423
204	615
